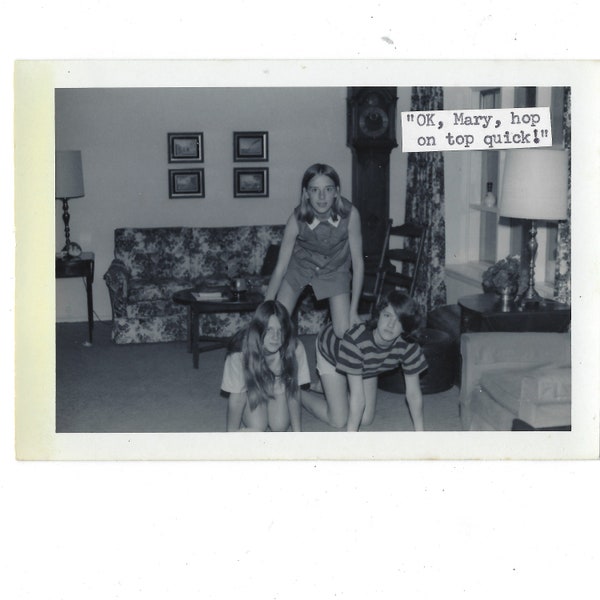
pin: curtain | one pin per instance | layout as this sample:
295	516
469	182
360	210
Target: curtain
562	277
425	206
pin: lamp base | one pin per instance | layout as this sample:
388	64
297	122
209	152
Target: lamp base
72	250
530	299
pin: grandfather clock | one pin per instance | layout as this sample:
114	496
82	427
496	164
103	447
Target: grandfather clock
371	128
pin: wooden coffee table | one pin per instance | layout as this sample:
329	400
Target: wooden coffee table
246	302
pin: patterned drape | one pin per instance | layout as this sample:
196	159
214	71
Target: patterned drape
562	277
425	206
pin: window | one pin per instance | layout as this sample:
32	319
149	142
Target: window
489	237
489	177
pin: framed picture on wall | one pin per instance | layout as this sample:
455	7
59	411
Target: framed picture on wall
186	147
251	183
250	146
186	183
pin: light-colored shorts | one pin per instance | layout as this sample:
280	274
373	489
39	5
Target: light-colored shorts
324	367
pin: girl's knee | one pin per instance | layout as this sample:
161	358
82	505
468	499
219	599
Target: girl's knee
279	422
338	421
256	420
339	329
367	419
279	427
338	417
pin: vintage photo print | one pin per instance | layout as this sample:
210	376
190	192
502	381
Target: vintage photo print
468	185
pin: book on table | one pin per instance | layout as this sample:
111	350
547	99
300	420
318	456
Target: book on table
208	295
211	292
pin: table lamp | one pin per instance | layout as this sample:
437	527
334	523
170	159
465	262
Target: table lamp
534	187
68	184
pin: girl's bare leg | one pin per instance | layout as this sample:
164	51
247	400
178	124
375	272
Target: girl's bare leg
370	387
255	420
288	296
278	413
340	313
333	408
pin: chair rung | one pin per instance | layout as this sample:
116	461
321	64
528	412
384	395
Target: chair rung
407	230
403	254
398	279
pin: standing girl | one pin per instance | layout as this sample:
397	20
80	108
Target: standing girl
321	247
354	363
264	369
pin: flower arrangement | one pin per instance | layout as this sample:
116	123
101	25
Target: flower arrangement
503	276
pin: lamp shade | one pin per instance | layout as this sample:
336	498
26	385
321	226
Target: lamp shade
534	185
68	174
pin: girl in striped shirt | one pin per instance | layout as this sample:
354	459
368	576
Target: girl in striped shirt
352	364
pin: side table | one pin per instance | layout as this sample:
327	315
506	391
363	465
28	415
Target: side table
483	312
82	266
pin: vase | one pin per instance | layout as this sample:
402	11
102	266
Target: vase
507	297
489	199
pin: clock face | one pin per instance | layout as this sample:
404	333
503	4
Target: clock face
373	121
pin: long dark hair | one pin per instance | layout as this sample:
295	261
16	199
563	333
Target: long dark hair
304	211
258	377
406	309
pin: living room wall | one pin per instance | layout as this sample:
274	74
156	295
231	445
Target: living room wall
122	134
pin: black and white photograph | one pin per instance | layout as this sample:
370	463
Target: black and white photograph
380	380
373	285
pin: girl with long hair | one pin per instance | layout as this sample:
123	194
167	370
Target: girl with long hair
349	368
265	366
321	247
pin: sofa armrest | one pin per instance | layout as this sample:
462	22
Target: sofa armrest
117	279
501	351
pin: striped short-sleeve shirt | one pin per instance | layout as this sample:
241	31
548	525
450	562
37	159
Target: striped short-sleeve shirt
358	354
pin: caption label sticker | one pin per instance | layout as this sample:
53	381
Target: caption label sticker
491	129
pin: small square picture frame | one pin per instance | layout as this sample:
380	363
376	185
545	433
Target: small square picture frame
250	146
186	183
251	182
186	147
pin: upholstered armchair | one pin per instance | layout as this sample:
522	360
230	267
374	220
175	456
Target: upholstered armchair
515	376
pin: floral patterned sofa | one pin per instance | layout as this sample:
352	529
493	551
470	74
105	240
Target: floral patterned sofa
151	264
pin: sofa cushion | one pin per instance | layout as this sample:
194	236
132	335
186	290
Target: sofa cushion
150	266
143	265
154	252
541	415
162	289
147	309
231	251
547	384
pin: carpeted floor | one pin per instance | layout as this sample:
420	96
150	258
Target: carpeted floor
152	388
